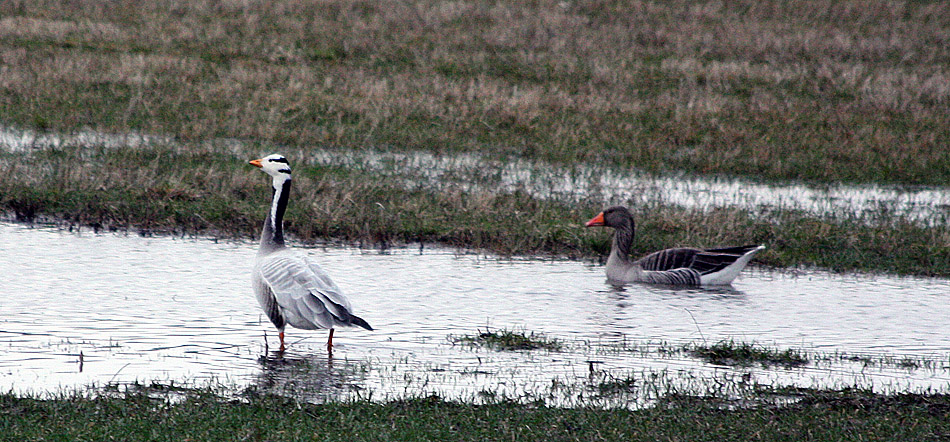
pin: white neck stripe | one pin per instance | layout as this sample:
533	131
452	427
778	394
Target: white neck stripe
273	208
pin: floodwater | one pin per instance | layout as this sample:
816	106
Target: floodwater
86	309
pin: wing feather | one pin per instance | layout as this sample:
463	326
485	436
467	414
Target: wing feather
304	291
668	259
703	261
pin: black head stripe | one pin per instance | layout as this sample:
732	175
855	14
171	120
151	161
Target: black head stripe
279	160
284	170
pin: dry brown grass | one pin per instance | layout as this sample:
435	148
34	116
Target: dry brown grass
803	89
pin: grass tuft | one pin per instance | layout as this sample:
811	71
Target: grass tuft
743	354
509	340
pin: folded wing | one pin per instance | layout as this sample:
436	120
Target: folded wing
305	293
703	261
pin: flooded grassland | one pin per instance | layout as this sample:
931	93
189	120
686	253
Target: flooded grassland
512	208
445	156
493	126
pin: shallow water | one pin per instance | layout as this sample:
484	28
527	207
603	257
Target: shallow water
181	310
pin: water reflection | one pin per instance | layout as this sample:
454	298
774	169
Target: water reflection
314	378
724	292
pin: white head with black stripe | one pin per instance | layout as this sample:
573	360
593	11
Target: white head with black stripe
276	166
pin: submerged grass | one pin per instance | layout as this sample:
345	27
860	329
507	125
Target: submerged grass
506	340
932	363
816	415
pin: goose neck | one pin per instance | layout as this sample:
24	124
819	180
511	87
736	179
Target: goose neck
272	236
623	238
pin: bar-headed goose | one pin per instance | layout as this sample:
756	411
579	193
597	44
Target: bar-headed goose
679	266
291	288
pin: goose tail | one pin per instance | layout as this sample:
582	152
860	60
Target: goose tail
356	320
727	274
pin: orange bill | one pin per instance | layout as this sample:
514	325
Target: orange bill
596	221
255	163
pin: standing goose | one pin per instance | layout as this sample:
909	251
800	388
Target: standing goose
679	266
290	287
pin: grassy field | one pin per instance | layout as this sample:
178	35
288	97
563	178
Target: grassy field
818	91
842	415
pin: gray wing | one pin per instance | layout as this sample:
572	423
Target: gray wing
304	291
668	259
703	261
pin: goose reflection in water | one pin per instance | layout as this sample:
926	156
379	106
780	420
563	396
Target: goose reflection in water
311	378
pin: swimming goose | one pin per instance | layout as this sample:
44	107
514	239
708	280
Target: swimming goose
290	287
679	266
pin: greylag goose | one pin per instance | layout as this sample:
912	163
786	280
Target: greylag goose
679	266
290	287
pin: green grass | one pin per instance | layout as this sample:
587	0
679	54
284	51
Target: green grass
823	415
744	354
507	340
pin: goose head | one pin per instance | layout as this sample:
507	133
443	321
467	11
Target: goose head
616	217
275	165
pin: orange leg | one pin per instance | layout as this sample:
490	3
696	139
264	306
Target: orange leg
330	341
282	347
